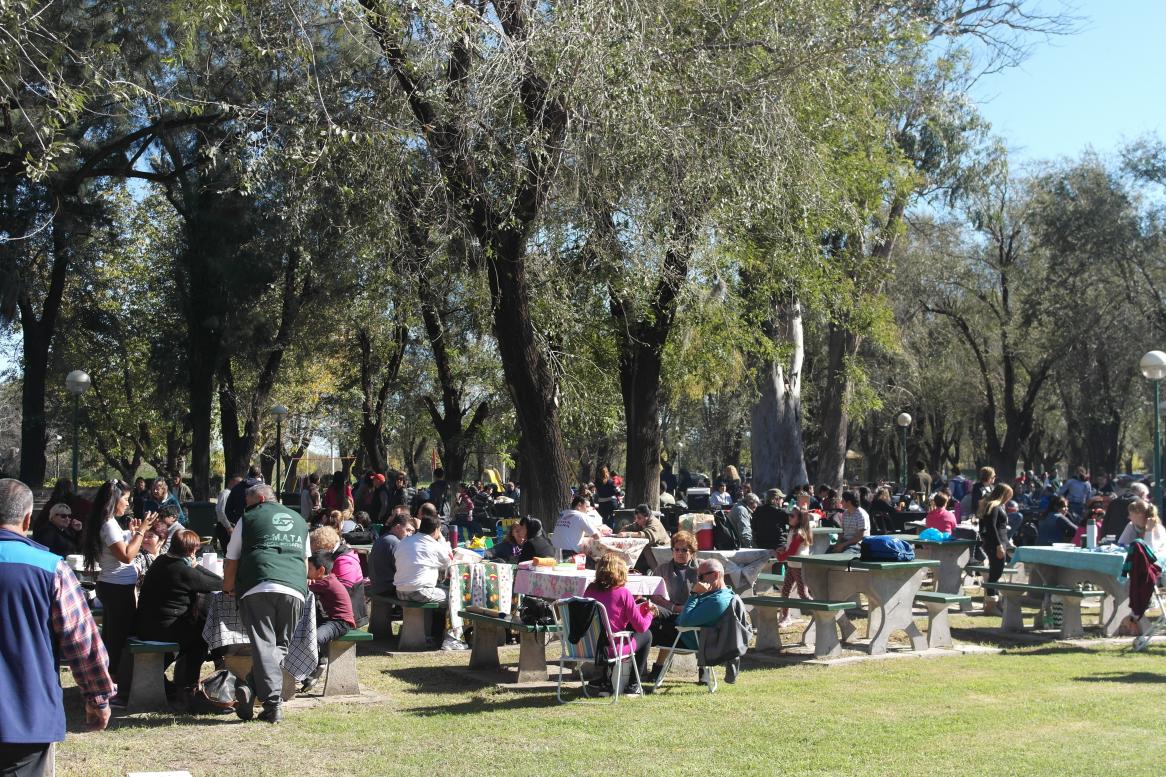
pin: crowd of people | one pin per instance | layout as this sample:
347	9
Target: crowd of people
150	585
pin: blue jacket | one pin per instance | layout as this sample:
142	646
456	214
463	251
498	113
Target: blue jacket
34	712
703	610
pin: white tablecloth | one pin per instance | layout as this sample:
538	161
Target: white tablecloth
629	548
560	582
741	566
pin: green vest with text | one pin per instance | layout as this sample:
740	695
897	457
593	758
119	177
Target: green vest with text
273	548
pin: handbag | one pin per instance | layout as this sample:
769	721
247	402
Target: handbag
535	612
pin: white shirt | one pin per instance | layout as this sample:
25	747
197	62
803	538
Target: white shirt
572	527
717	499
221	508
112	570
235	551
1156	540
421	562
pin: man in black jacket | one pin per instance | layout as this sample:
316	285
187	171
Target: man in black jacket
771	522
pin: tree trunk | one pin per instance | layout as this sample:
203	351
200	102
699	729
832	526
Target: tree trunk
33	426
776	418
842	345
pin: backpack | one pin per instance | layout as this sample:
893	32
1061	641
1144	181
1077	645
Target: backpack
725	535
885	548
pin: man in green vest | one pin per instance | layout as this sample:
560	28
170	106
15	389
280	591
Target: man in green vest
266	569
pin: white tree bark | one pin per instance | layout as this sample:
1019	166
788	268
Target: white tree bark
776	418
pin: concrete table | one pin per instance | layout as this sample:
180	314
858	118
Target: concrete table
952	555
822	535
1068	567
890	588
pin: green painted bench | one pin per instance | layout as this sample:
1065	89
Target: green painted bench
148	684
938	624
821	633
415	619
771	581
490	631
1014	593
341	679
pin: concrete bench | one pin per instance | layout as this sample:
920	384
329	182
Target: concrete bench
238	660
938	625
415	620
768	581
341	679
490	631
1014	593
148	686
821	634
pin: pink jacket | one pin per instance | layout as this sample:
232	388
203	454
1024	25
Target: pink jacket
347	569
622	611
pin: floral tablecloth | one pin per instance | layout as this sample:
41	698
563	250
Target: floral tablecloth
560	582
225	627
741	566
628	547
487	584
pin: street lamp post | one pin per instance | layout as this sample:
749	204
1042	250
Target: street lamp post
77	383
279	411
1153	366
904	420
58	457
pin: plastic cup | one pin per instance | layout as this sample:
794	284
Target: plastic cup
580	561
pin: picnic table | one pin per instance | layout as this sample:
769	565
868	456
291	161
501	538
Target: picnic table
553	583
952	555
224	627
741	566
1067	567
889	586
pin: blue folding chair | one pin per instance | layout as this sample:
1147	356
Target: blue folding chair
585	651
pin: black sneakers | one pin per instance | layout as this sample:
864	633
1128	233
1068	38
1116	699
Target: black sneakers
244	702
272	713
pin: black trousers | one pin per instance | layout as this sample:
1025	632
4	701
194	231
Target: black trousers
120	605
643	641
326	632
995	569
24	760
192	648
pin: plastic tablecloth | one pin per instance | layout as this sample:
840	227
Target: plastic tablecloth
225	627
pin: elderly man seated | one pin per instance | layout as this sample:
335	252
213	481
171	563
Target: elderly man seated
741	517
713	604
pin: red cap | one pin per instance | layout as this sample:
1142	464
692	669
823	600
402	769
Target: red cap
379	479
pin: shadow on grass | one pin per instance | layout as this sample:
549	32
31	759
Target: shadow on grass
1123	677
540	699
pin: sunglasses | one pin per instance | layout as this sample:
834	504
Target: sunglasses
703	575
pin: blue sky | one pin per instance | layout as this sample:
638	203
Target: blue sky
1099	87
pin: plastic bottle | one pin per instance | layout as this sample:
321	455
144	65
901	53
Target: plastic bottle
1091	534
453	536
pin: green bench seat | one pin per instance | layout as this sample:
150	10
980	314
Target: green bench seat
821	633
938	623
1071	598
341	679
490	631
415	618
148	686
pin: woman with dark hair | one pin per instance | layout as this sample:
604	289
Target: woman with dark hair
606	493
535	541
168	610
338	496
108	547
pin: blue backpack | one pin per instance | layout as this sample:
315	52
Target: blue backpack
882	547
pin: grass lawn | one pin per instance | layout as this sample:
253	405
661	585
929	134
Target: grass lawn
1050	709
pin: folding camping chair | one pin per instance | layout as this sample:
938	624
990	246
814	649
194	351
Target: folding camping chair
676	649
585	651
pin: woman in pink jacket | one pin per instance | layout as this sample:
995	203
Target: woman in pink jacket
623	614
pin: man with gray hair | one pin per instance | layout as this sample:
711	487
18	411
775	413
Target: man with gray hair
741	517
45	617
710	600
266	569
